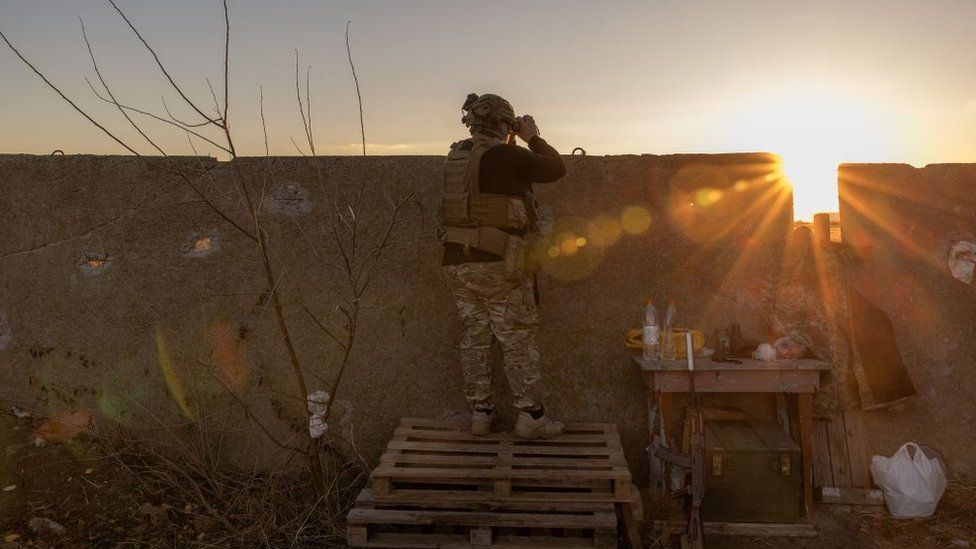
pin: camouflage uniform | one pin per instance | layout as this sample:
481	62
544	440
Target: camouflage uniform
493	306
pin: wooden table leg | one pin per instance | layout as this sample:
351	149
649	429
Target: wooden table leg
805	411
666	416
651	416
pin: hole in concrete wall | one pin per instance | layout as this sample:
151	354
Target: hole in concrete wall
6	334
289	198
93	264
201	243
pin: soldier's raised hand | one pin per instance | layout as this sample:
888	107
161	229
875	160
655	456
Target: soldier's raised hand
527	129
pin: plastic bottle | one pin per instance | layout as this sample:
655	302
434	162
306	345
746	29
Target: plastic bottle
652	332
668	350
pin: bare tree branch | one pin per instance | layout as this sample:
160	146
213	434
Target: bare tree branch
359	95
158	118
177	120
226	124
297	148
320	325
306	120
108	90
67	99
264	125
213	95
162	68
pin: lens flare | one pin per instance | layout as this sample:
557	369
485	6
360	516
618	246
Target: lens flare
64	426
228	350
708	196
173	382
604	231
564	253
567	244
635	220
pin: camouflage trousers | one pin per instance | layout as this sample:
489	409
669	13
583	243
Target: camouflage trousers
494	307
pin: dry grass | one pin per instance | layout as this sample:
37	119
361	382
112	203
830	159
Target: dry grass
173	487
189	487
953	525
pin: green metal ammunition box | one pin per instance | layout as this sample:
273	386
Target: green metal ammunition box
753	472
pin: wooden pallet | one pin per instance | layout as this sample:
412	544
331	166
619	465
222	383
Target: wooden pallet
439	486
437	459
840	461
418	522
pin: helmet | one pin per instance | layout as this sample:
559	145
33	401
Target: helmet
483	112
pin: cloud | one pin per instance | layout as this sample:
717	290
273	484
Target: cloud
971	106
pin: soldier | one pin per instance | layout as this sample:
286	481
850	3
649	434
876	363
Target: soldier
487	212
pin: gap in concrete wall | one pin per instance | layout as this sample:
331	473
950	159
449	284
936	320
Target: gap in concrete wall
289	198
201	243
92	264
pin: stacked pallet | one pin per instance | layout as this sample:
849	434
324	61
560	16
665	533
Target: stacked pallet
439	486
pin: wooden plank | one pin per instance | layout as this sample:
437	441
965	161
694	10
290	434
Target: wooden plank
447	424
746	381
356	536
750	529
482	501
481	536
517	450
851	496
438	473
823	475
381	486
485	499
631	515
392	517
857	449
454	541
593	462
503	486
839	461
804	408
566	439
748	364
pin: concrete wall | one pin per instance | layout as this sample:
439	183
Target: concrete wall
100	284
904	221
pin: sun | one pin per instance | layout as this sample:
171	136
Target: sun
813	129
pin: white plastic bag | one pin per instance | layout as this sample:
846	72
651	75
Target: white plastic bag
912	486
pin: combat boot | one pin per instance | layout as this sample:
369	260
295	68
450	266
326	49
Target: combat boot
542	427
481	420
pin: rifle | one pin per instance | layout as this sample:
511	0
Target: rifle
694	461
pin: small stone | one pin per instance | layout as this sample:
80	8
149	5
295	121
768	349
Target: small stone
12	537
20	413
960	543
46	527
10	488
89	471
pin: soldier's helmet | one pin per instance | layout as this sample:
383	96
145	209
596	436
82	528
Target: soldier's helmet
482	114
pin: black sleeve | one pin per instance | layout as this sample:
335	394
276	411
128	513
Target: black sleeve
540	164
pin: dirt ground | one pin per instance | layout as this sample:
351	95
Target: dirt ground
99	504
865	527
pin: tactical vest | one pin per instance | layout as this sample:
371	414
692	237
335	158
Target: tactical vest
470	217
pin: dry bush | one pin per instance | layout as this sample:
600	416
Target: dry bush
194	497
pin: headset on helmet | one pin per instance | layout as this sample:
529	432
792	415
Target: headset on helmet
485	111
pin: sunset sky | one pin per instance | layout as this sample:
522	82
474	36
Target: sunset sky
817	82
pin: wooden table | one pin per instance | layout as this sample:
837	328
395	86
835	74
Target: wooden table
799	377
